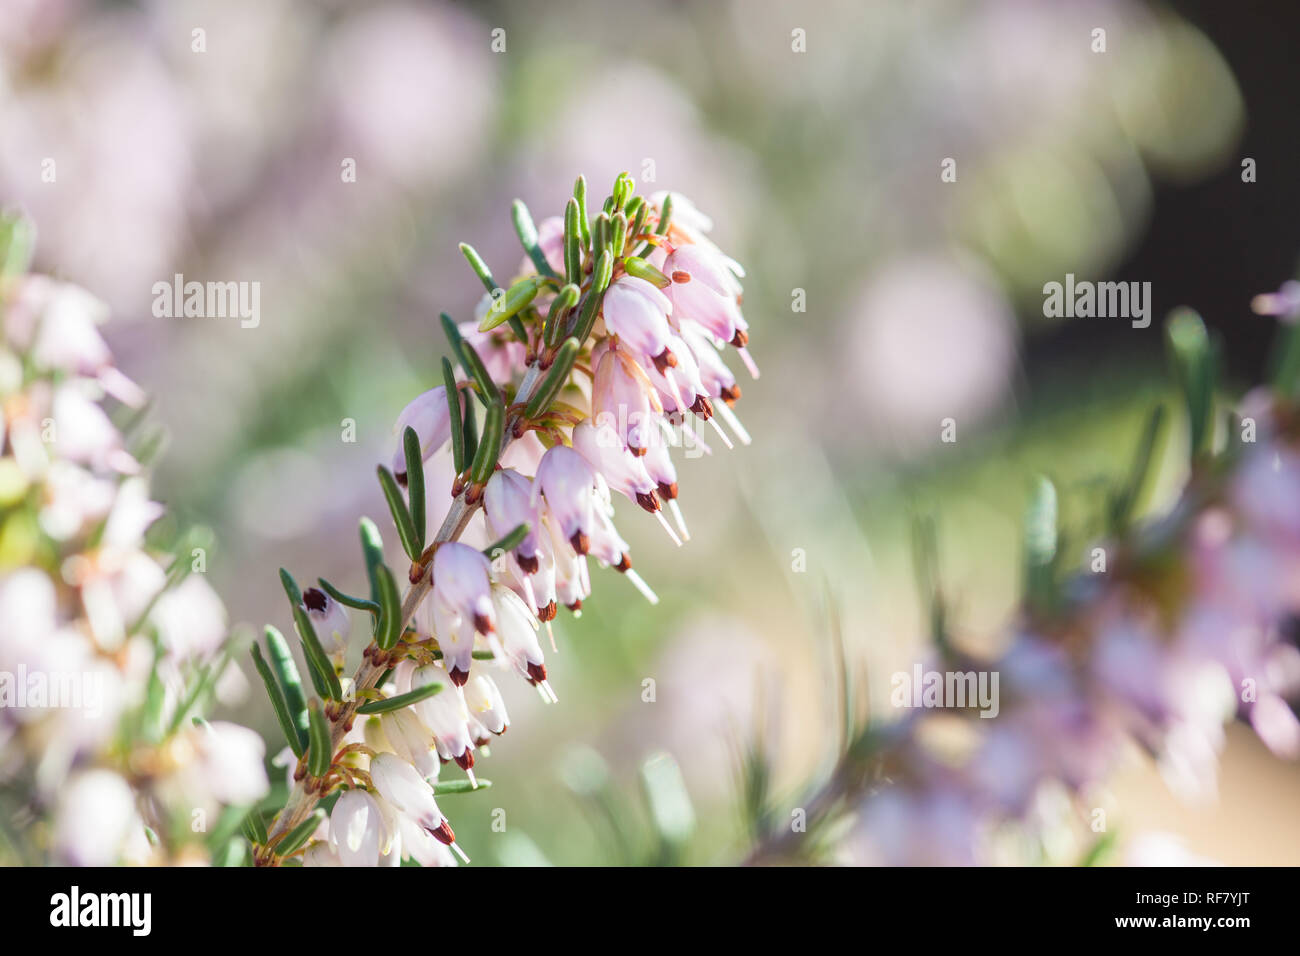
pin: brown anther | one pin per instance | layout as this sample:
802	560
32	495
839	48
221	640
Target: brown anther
401	478
665	360
575	606
536	672
731	395
668	490
458	676
547	613
443	833
482	624
581	543
648	501
679	276
702	407
625	564
314	599
466	760
638	451
740	339
528	564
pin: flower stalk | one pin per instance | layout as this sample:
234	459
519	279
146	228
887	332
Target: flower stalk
417	688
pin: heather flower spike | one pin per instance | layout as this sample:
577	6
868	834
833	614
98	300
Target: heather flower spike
585	363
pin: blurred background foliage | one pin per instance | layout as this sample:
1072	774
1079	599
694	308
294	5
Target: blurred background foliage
822	170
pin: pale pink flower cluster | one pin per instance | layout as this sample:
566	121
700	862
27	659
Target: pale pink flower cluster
1162	654
87	620
650	373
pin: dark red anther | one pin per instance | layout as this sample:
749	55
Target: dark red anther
665	360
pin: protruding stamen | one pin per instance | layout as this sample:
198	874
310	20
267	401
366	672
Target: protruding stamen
749	362
721	434
668	528
694	436
740	339
550	631
730	418
459	852
702	407
677	516
648	500
641	586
